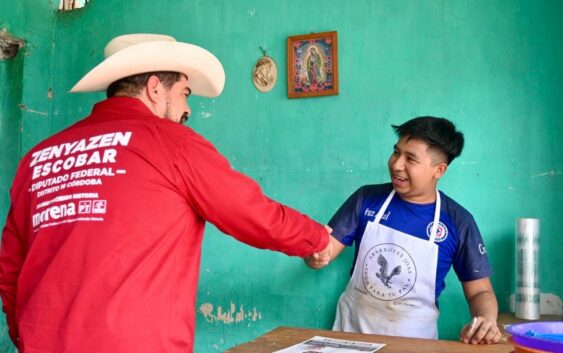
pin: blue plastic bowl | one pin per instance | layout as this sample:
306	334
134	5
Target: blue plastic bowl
545	336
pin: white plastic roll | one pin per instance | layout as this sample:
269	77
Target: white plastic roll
527	268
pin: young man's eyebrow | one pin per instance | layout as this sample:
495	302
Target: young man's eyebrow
408	153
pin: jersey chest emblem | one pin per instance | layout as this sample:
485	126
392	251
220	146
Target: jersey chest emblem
441	232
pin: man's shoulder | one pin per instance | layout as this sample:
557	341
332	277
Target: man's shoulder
375	191
185	137
53	140
365	196
458	214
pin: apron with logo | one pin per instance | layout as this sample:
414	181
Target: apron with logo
392	289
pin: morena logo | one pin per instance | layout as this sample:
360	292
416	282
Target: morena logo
54	213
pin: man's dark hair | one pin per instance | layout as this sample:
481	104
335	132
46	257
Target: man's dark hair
132	85
439	133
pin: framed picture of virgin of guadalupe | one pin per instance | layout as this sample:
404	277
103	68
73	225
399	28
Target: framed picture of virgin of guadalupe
312	65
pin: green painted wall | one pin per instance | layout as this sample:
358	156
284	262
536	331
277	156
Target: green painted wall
494	67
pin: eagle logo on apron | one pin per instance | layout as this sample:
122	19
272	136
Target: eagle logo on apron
388	272
382	274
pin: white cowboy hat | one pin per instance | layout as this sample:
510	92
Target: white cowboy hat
132	54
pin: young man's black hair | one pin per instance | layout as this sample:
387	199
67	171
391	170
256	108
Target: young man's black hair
440	134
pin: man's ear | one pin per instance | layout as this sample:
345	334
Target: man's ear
440	170
153	88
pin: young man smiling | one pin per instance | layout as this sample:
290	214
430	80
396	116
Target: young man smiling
407	236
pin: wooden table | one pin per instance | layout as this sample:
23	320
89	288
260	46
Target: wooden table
284	337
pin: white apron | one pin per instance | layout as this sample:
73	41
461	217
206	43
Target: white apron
392	289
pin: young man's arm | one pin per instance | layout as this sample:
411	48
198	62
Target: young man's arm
345	222
484	311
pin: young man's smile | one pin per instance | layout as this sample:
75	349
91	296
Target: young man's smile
415	170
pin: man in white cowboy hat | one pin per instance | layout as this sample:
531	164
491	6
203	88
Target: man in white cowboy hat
102	244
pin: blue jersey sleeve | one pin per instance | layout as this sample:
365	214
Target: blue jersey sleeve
471	261
349	222
345	221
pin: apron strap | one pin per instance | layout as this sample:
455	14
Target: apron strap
436	218
384	207
435	223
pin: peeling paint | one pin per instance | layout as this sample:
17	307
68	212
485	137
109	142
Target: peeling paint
23	107
9	45
549	173
252	12
204	114
232	315
67	5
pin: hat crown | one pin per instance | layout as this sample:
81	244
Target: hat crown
133	54
124	41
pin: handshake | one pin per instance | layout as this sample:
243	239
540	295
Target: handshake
323	258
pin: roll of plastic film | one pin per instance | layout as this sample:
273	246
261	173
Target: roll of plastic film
527	268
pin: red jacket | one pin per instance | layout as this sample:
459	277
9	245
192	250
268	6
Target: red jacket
102	245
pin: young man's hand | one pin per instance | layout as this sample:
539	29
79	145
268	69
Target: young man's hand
321	259
480	331
483	307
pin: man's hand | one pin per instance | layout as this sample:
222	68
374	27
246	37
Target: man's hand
321	259
480	331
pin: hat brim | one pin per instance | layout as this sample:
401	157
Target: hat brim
205	72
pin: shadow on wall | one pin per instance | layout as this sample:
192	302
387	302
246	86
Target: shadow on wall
500	250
